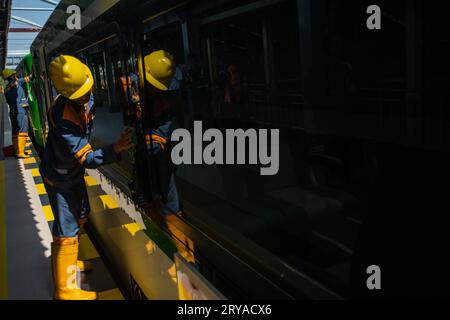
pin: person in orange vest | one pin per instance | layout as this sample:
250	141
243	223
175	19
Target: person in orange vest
67	153
18	104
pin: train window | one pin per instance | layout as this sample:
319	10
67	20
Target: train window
168	38
106	65
237	62
331	183
306	214
348	141
338	85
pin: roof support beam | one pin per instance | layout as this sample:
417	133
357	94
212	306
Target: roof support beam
50	1
32	9
24	29
23	20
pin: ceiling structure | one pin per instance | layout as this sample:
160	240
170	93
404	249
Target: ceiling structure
5	15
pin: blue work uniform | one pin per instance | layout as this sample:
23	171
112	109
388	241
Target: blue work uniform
176	80
18	102
158	144
67	153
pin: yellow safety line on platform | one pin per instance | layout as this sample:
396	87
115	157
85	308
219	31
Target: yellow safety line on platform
35	172
41	189
48	213
3	256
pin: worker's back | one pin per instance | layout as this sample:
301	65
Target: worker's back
59	165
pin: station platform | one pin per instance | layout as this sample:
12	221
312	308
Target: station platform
26	220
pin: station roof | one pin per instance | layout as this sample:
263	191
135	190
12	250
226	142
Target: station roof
55	30
5	15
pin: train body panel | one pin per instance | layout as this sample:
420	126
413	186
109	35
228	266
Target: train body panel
35	114
348	144
25	69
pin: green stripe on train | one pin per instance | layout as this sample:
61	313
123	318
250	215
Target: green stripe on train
36	124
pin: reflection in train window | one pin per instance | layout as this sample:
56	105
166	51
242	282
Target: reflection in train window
310	213
237	63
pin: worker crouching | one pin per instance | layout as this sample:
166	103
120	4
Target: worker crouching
67	153
18	104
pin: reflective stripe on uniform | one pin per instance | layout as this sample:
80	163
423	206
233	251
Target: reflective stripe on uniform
157	139
83	158
81	154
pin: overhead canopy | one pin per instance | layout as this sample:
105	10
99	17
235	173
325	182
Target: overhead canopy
55	30
5	14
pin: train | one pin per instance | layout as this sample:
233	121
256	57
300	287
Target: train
364	143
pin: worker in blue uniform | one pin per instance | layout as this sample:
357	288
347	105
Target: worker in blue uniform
67	153
159	70
18	104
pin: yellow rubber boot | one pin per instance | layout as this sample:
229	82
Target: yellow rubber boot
21	143
64	259
84	266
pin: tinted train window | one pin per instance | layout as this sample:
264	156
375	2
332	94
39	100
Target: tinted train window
237	65
354	170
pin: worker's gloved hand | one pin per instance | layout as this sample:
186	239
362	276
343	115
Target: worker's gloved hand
124	143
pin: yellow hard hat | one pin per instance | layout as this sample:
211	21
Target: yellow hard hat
159	69
6	73
71	77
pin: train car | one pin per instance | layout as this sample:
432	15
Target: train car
357	153
25	69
